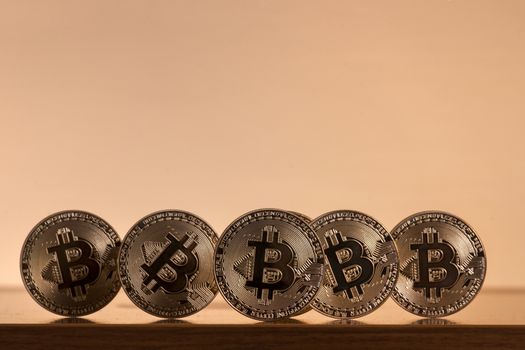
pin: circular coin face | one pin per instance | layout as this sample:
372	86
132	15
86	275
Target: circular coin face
166	264
361	264
308	220
269	264
442	264
69	261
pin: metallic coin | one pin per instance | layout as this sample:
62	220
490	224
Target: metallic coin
69	261
269	264
308	220
361	264
166	264
302	216
442	264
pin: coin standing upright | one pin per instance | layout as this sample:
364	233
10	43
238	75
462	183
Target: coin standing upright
166	264
269	264
308	220
361	264
442	264
68	263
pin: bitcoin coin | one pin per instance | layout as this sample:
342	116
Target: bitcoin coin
166	264
269	264
308	220
442	264
361	264
68	263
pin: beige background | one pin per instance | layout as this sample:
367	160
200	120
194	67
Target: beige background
219	107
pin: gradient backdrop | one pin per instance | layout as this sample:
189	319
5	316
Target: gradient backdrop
219	107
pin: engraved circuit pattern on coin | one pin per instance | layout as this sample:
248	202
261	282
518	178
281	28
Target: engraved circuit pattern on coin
166	264
442	264
361	264
308	220
269	264
69	261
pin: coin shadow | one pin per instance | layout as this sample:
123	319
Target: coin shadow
433	322
171	321
72	320
282	321
125	305
346	322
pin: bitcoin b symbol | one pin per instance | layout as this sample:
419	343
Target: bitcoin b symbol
272	270
77	268
436	269
350	268
171	268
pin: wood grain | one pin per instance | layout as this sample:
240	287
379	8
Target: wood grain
274	336
499	325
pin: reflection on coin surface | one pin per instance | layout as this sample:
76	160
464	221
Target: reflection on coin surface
361	264
69	261
302	216
308	221
269	264
166	264
442	264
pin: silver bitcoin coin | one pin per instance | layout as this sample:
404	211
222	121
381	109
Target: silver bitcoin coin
166	264
361	264
308	220
269	264
68	263
442	264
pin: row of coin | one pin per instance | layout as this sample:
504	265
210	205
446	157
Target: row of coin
268	264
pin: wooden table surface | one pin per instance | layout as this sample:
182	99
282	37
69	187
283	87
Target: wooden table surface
494	320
